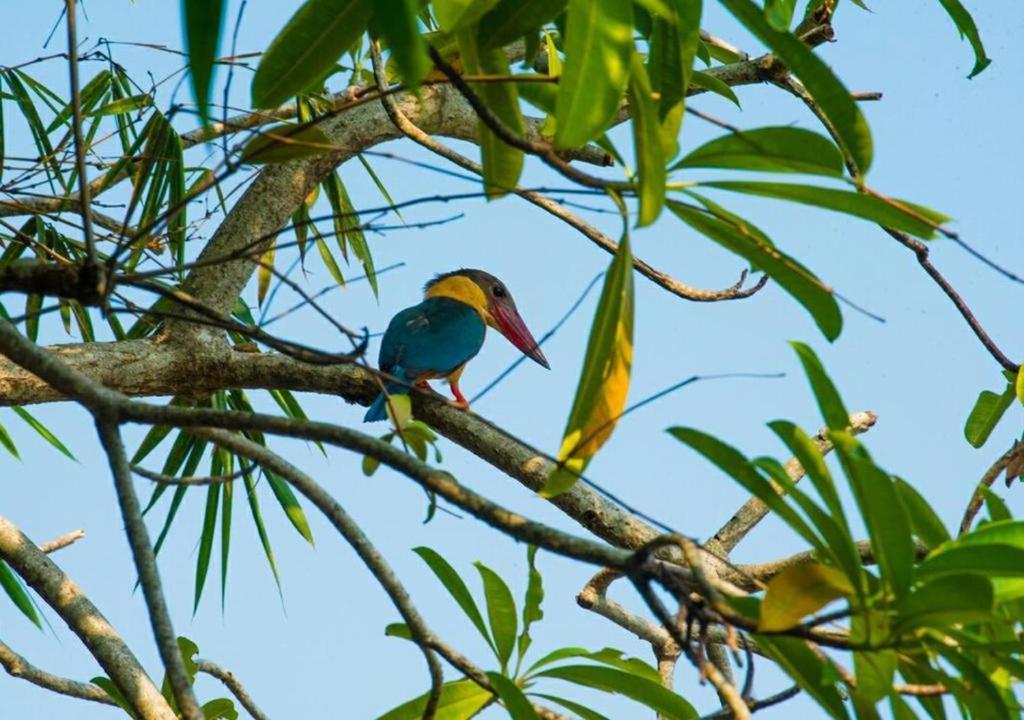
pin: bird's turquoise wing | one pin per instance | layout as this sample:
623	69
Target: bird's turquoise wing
433	338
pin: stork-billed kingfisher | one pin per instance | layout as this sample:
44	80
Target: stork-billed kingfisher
436	338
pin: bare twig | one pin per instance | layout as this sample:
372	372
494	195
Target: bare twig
232	684
62	542
19	667
1015	452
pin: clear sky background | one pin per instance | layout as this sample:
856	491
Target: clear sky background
942	140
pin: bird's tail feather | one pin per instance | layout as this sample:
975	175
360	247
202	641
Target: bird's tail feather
379	409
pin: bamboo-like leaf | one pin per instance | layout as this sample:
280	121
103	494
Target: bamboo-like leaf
456	587
206	541
43	431
265	273
501	613
513	19
517	705
396	20
8	443
290	504
227	505
797	280
604	381
502	163
769	149
88	97
965	24
831	404
598	46
123	105
203	22
712	84
16	80
3	161
673	45
799	591
15	590
307	47
924	522
33	304
647	144
647	692
831	95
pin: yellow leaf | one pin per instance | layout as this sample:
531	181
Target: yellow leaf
798	591
1020	383
399	409
266	272
604	382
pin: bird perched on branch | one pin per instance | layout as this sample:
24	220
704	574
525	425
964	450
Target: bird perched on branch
436	338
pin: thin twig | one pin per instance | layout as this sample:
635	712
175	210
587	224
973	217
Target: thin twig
19	667
62	542
991	475
76	126
232	684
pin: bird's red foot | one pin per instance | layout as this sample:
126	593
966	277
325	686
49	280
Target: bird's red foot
460	401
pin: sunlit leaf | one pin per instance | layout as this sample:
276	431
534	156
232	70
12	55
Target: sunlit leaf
647	144
516	703
501	613
768	149
947	600
456	587
965	24
598	45
43	431
673	44
307	47
510	20
290	504
604	382
15	590
460	700
799	591
988	410
613	680
203	22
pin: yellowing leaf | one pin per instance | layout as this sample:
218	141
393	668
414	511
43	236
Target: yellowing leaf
1020	384
798	591
604	383
266	273
399	409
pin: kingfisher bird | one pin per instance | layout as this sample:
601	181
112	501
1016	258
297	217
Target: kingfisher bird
436	338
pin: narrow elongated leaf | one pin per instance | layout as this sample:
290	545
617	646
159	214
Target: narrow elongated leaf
501	613
227	505
832	408
510	20
206	541
965	24
531	602
988	410
43	431
808	670
994	560
2	151
799	591
844	201
453	15
797	280
516	703
769	149
457	588
598	45
261	529
123	105
712	84
779	13
89	96
290	504
673	44
613	680
647	144
604	382
1019	384
398	25
924	522
8	442
831	95
502	163
947	600
582	710
203	22
15	590
307	47
282	143
460	700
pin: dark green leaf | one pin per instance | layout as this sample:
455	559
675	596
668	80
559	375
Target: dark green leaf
8	442
965	24
43	431
874	671
516	703
769	149
598	46
203	21
455	15
398	630
797	280
613	680
810	672
947	600
832	409
997	509
985	415
15	590
219	709
397	22
924	522
307	48
456	587
532	600
206	541
501	613
582	710
512	19
830	94
709	82
779	13
261	530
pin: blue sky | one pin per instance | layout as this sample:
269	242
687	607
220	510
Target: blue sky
940	140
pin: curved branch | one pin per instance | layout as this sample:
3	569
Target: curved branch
19	667
232	684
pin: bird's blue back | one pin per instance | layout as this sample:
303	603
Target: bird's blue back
435	338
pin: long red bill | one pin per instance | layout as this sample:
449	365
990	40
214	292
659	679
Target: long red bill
513	327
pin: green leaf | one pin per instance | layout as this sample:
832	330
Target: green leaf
1019	384
33	306
502	163
598	46
985	415
794	278
227	506
285	142
501	613
8	442
809	671
799	591
947	600
965	24
206	541
460	700
43	431
261	530
516	703
647	144
779	13
711	83
203	22
612	680
307	48
396	20
832	409
107	686
15	590
604	381
582	710
123	105
455	15
844	201
673	44
398	630
831	95
924	522
993	560
769	149
456	587
874	671
532	600
2	151
219	709
512	19
997	509
290	504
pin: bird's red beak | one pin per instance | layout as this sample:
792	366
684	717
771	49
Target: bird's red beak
511	325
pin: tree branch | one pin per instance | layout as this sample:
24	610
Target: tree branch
19	667
232	684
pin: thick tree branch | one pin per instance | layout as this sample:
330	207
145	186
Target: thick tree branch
82	617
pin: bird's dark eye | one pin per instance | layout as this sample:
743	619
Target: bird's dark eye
499	291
